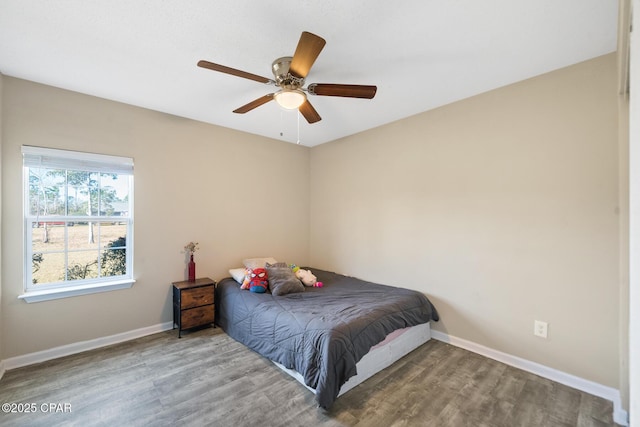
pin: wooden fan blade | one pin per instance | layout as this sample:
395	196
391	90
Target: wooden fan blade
233	72
309	113
309	47
254	104
348	91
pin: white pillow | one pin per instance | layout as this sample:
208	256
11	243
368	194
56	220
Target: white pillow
258	262
237	274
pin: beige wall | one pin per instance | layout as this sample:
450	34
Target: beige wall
503	208
239	195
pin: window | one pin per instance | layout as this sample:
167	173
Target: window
78	223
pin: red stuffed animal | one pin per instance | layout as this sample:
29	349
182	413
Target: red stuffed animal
258	280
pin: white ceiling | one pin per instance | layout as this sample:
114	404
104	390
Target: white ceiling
420	53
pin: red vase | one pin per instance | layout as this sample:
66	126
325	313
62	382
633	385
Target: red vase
192	270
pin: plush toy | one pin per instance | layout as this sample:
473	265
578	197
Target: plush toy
307	278
256	280
247	279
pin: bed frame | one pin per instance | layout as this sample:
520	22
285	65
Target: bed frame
397	345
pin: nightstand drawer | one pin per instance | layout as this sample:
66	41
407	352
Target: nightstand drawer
196	297
196	316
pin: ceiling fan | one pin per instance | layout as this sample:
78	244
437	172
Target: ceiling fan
290	73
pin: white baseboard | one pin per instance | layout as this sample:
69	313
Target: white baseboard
78	347
605	392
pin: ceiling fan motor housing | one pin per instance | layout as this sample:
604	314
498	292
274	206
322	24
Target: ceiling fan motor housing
284	79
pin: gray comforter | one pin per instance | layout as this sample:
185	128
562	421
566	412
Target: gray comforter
323	332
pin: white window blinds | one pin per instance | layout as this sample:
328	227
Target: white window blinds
39	157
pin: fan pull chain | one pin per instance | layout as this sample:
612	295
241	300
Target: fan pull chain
298	141
282	125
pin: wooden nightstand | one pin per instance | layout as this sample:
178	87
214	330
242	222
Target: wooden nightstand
193	303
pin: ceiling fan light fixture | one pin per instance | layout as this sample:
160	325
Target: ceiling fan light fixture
290	99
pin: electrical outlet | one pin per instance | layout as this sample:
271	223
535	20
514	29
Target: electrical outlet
540	328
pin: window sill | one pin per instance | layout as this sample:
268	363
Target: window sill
73	291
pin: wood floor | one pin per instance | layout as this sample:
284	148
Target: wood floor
207	378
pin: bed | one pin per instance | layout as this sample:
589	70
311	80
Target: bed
322	333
